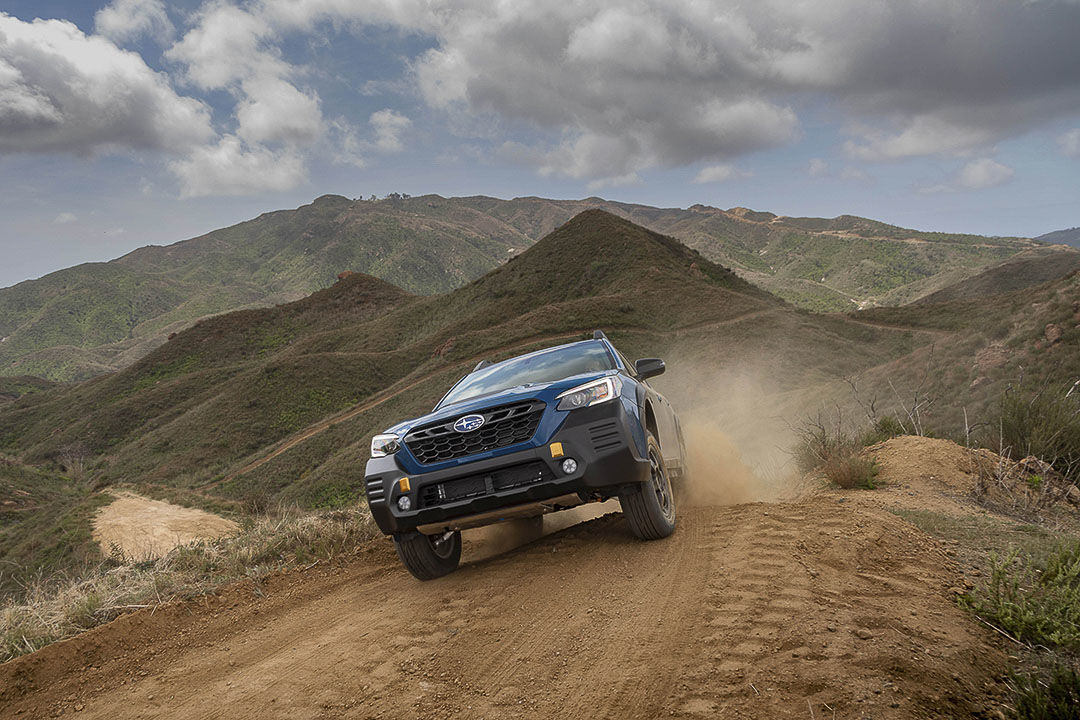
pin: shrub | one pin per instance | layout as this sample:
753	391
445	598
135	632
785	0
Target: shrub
1054	695
851	471
819	441
1043	422
1038	602
884	428
836	452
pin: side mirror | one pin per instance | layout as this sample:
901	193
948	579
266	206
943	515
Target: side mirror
649	367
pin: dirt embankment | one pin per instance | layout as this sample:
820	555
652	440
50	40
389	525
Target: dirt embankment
825	606
140	528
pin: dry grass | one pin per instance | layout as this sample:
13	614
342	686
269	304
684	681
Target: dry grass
1030	489
829	447
851	471
53	608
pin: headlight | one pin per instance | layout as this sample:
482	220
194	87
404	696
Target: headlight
589	394
383	445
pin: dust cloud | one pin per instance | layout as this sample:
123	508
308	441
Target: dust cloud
738	441
737	433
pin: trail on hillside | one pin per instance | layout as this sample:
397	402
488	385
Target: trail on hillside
758	610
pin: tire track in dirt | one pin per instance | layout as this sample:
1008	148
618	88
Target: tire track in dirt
756	611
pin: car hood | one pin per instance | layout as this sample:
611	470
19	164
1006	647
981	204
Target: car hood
546	392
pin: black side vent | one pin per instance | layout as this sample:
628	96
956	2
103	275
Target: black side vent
605	436
376	493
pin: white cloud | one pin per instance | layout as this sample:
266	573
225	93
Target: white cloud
854	174
620	181
1070	143
64	91
817	167
975	175
984	173
227	45
389	126
65	218
719	173
233	168
598	91
920	136
273	111
126	20
277	124
658	82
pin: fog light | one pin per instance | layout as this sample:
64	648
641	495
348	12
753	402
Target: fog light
404	503
569	466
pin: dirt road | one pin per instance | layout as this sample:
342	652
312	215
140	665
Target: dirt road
819	608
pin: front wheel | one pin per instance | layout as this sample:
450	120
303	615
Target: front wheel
429	556
650	507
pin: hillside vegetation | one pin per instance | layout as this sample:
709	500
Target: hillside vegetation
95	318
263	406
265	414
1071	236
255	408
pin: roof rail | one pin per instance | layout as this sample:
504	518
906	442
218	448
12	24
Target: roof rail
481	365
598	335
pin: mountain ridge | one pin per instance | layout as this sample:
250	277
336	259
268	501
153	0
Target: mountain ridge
1068	236
230	392
82	321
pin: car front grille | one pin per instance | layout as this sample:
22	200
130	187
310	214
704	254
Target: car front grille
503	426
508	478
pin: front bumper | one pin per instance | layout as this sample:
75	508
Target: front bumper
528	481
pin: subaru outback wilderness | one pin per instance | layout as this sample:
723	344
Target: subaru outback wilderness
523	437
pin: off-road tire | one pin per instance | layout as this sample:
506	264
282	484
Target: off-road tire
426	556
650	507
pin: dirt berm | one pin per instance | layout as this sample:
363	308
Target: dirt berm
825	607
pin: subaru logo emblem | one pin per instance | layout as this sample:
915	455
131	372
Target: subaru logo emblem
468	423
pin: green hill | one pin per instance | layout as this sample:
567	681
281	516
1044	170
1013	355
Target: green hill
1024	270
279	404
95	318
257	407
1071	237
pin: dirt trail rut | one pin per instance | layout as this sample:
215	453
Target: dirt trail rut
815	608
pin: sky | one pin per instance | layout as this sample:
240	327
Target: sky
139	122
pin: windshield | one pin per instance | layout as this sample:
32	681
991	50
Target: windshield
543	367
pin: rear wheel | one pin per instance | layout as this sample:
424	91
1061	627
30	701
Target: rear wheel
650	507
429	556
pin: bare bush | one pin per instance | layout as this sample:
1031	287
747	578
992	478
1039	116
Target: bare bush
833	449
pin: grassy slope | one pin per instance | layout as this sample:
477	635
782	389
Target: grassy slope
12	388
984	344
44	523
1071	236
93	318
187	418
1027	269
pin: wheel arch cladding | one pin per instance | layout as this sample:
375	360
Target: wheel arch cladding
650	422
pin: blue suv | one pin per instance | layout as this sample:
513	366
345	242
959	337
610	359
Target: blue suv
523	437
